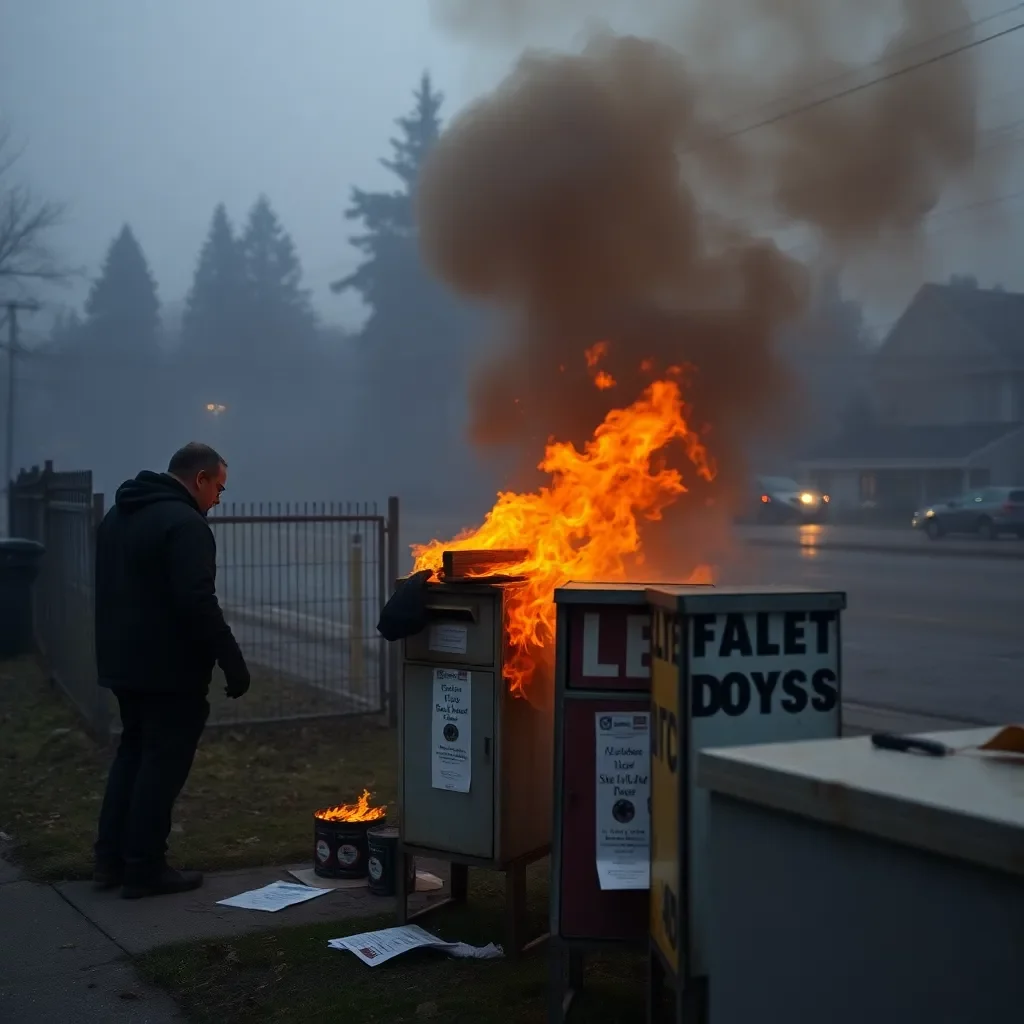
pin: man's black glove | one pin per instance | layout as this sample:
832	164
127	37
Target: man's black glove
237	684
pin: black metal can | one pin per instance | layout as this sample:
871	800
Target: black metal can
382	867
339	848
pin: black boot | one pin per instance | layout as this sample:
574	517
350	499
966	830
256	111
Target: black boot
165	882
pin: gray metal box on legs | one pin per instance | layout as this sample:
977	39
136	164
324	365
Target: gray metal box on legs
476	758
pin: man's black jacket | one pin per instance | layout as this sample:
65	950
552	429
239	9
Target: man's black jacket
159	626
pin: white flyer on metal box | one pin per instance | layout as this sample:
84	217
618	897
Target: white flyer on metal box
623	810
451	733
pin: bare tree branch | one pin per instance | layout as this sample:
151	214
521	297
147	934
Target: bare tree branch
26	222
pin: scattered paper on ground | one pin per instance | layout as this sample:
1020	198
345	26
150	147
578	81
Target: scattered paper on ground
273	897
425	881
375	948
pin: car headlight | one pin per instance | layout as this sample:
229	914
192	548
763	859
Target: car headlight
808	499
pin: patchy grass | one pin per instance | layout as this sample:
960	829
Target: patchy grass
248	801
291	976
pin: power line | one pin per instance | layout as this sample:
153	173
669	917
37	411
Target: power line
888	58
978	204
860	87
941	214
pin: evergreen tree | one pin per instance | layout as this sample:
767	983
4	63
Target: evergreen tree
389	240
278	317
123	408
211	323
123	311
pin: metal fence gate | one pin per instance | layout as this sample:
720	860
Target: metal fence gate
301	584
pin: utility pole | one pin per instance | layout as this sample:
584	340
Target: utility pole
13	308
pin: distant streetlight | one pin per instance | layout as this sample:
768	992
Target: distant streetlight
215	408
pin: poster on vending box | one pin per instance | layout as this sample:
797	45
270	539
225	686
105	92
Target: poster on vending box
451	734
623	756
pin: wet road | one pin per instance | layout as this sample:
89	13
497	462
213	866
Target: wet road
935	634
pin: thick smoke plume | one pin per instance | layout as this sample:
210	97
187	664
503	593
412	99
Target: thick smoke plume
612	195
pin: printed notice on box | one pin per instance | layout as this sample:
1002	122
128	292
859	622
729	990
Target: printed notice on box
448	638
623	800
451	733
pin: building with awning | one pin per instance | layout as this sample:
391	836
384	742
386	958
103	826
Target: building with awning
948	406
900	467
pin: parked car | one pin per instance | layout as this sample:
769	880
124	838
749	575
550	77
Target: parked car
778	499
986	512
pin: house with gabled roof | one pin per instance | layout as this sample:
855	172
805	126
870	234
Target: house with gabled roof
947	405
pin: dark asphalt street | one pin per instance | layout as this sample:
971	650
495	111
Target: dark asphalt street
934	634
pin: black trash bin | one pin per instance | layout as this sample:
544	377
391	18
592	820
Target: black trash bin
19	565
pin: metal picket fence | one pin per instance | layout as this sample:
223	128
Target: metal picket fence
301	584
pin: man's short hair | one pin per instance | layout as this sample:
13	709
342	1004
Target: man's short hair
195	458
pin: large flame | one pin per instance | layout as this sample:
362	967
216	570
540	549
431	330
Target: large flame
583	525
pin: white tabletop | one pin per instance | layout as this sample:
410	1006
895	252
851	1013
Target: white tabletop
964	806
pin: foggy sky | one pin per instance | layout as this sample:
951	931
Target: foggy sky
151	112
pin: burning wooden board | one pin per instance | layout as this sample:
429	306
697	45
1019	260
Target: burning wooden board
468	564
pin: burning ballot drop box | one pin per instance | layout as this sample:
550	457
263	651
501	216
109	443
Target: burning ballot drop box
730	666
600	837
475	772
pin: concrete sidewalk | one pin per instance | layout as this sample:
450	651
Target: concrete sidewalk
57	965
142	925
65	950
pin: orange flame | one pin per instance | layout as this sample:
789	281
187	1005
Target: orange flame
582	525
595	353
359	811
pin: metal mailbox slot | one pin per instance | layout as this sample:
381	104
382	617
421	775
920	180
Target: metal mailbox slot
463	629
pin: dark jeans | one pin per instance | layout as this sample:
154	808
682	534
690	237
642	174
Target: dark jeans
160	733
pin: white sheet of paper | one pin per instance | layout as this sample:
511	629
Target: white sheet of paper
623	767
450	731
273	897
378	947
448	638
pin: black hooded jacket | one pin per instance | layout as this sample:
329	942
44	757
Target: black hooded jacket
159	626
